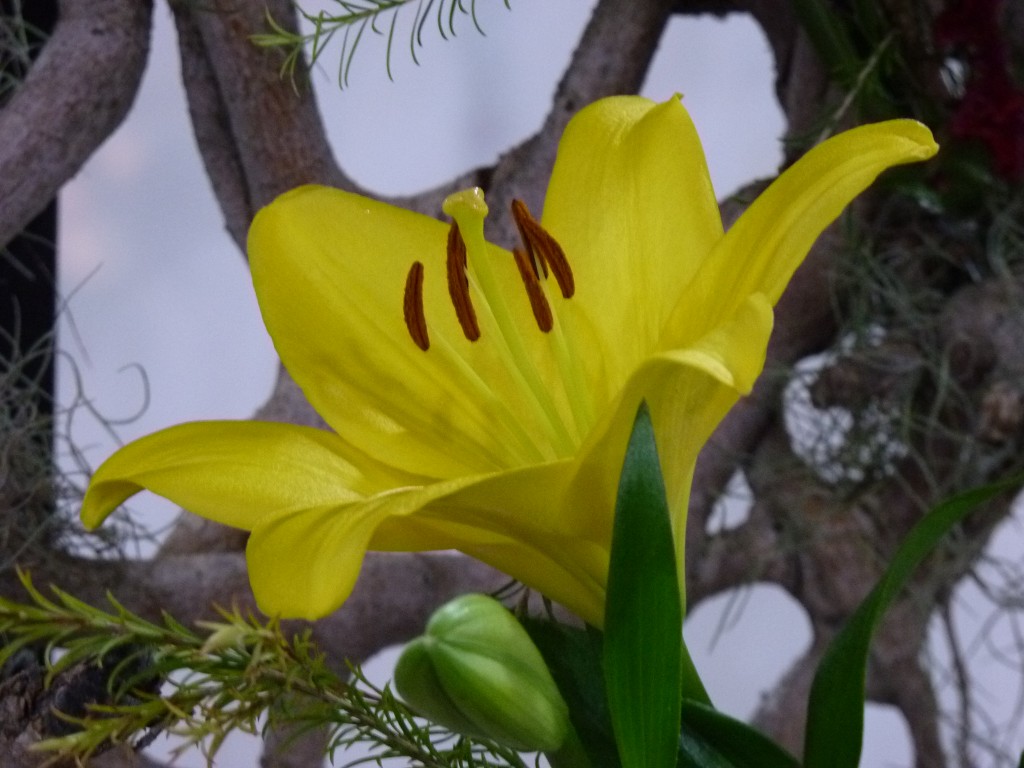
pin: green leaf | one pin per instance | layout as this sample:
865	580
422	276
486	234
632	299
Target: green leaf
718	739
694	752
835	714
692	686
643	615
573	656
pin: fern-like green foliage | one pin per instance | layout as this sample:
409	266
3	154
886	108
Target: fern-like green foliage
239	673
353	18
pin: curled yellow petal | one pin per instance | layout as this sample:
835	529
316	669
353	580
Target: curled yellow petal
502	519
234	472
769	241
689	391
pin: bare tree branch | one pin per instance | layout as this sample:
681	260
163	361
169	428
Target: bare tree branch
74	96
783	712
259	133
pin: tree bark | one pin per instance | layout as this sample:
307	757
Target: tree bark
74	96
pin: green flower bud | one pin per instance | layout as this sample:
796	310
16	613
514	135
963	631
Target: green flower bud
477	672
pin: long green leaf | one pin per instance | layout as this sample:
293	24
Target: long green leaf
720	740
643	615
573	656
694	752
835	714
692	686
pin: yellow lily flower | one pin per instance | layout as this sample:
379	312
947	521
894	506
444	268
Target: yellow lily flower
481	400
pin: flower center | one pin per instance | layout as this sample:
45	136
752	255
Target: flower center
469	268
540	255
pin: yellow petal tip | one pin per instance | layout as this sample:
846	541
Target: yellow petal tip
917	133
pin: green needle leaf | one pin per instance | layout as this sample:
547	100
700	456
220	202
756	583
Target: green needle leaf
643	617
835	715
352	18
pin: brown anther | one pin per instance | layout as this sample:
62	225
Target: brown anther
542	248
538	301
521	216
412	307
458	284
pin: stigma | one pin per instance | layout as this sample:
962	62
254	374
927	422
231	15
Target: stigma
539	257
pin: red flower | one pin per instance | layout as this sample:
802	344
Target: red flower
991	109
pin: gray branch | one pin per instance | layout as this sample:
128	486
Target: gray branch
259	133
74	96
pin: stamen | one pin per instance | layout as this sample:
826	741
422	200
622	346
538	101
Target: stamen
538	301
543	248
458	284
554	256
412	307
557	437
521	216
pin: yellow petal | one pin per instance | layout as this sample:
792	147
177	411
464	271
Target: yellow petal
689	391
572	572
234	472
547	531
686	410
330	270
631	203
304	563
769	241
